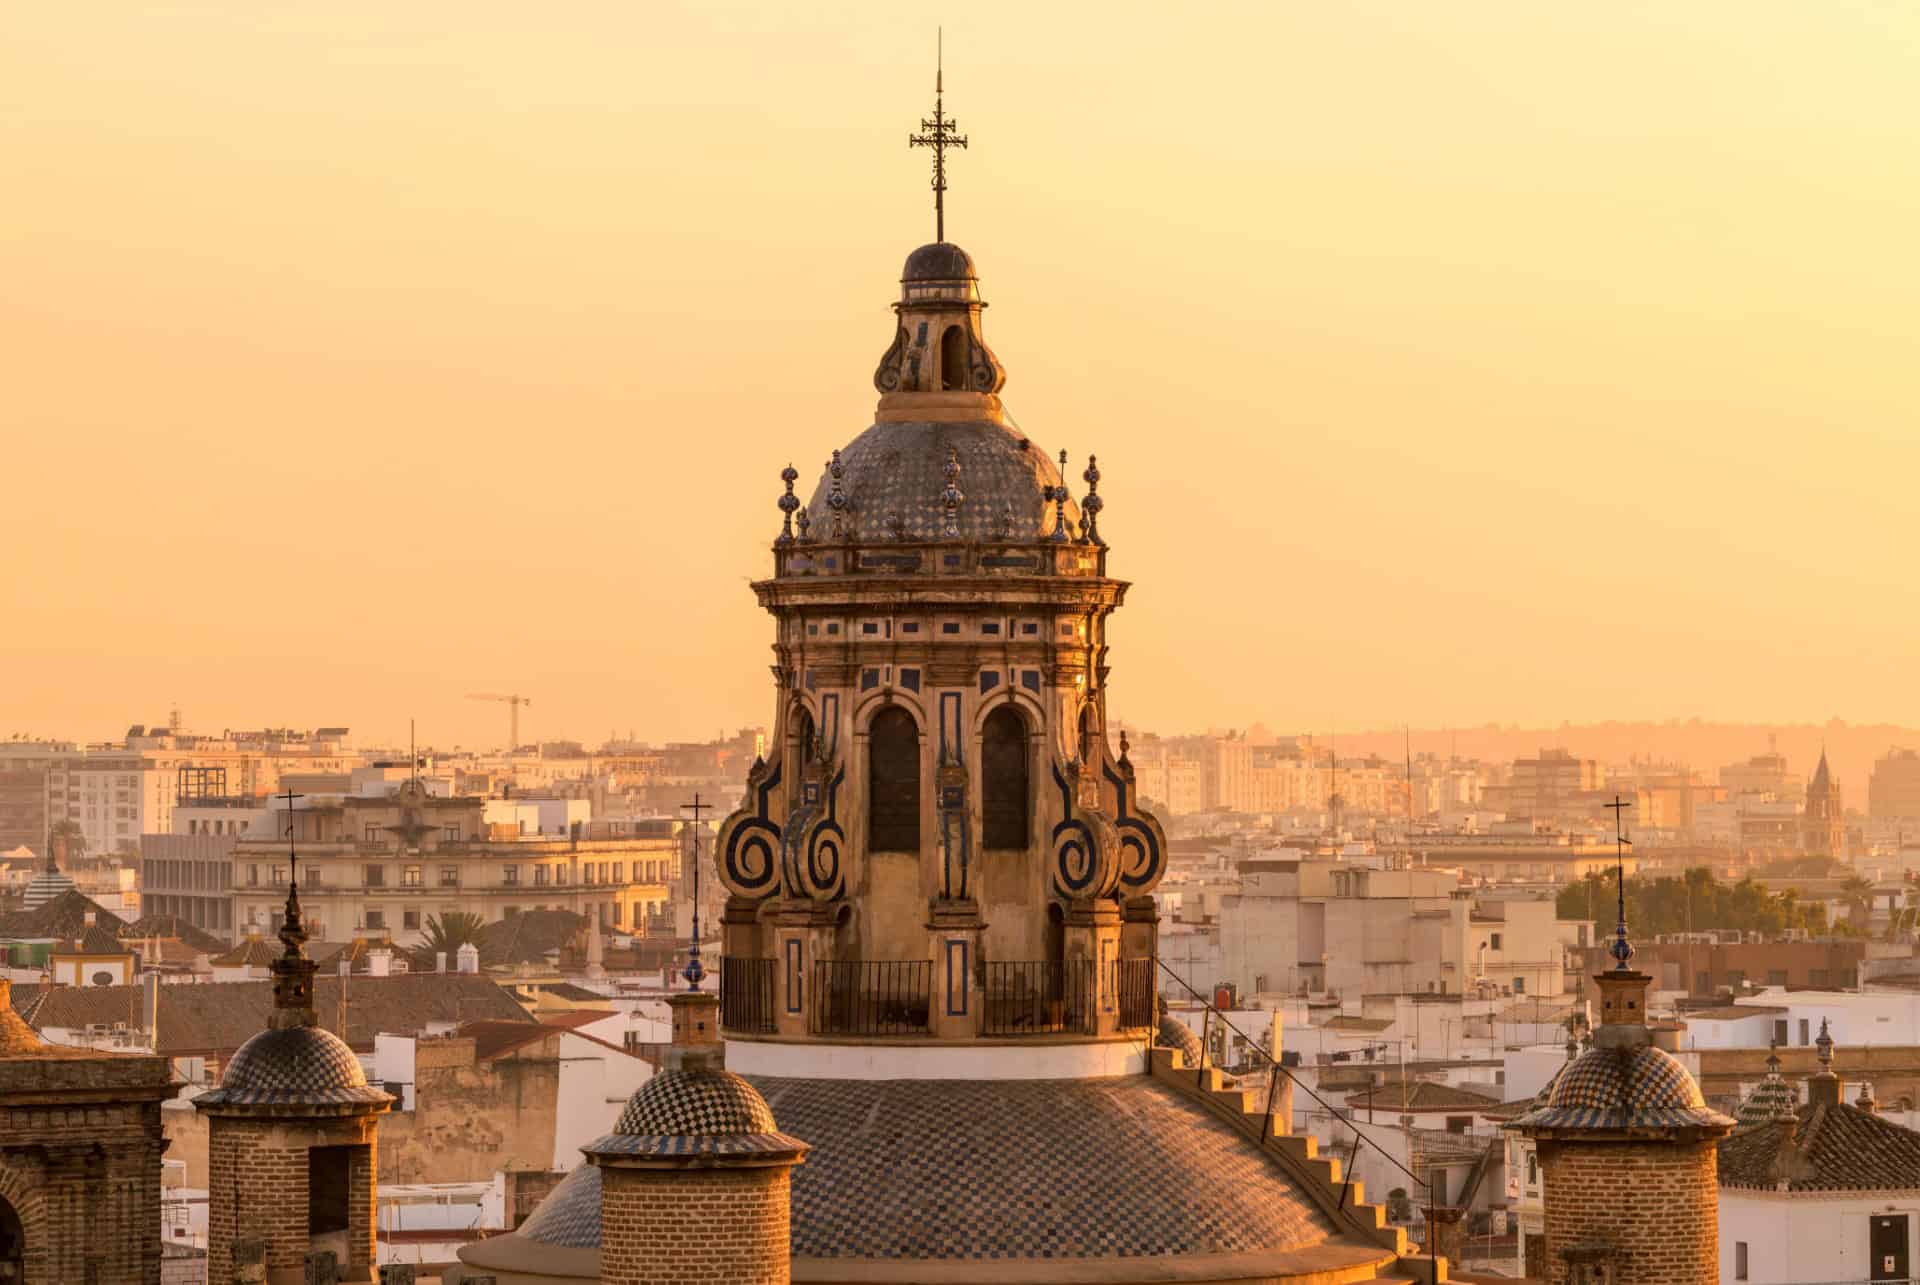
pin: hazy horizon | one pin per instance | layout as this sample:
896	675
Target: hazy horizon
1447	366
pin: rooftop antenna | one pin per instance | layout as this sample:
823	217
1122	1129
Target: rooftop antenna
938	134
1622	949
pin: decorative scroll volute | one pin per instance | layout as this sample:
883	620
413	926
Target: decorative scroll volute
1143	840
749	843
811	856
1085	845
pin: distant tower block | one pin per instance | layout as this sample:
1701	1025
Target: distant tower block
695	1180
1824	821
291	1135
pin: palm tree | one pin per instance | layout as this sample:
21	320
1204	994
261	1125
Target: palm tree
448	933
1859	895
69	829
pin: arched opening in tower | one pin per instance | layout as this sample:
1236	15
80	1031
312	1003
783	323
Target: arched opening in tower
803	734
1004	779
893	782
953	359
13	1244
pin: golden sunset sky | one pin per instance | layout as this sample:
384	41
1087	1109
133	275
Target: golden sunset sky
1447	362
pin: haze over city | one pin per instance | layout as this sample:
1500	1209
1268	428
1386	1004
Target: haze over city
1447	364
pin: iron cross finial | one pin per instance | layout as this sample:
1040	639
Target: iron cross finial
938	133
695	972
1622	949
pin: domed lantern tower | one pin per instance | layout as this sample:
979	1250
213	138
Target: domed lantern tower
941	839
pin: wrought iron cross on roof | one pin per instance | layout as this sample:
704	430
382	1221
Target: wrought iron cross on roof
1622	949
695	972
939	135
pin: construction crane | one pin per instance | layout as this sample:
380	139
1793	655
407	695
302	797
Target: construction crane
514	703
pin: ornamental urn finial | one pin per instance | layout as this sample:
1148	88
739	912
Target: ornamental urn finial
788	503
1091	506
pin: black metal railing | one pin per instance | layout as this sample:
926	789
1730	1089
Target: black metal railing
746	995
870	997
1275	1069
1039	997
1133	983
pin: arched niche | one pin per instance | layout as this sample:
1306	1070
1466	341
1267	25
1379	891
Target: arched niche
1006	779
893	781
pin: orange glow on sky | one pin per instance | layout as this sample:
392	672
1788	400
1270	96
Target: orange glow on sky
1446	363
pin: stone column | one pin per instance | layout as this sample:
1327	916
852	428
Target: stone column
1092	950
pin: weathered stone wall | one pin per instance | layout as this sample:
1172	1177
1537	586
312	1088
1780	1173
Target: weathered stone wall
80	1145
1656	1203
695	1227
472	1120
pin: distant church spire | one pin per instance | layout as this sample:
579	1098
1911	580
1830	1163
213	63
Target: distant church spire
937	133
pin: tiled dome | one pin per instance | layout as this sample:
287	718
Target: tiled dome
1175	1034
939	261
693	1104
1772	1099
1622	1088
295	1065
892	477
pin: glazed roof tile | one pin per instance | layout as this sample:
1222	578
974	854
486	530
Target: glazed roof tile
1823	1148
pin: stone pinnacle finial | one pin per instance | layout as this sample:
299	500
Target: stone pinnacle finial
1823	1047
802	520
788	503
837	498
1091	506
951	496
1059	497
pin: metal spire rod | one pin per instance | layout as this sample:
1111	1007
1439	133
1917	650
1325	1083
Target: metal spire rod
938	134
695	972
1622	949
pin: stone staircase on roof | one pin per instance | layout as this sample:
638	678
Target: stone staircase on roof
1318	1177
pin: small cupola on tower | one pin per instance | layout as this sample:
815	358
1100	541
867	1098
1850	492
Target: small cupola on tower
293	1126
1626	1144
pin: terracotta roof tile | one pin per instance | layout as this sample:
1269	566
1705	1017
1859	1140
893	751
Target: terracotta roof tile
1822	1148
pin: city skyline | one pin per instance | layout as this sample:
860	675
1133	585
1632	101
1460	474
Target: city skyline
432	334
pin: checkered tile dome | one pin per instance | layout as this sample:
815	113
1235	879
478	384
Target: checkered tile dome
1772	1099
292	1066
1622	1088
1175	1034
692	1104
893	476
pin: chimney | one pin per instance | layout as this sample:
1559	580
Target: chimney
439	961
468	958
150	1005
379	962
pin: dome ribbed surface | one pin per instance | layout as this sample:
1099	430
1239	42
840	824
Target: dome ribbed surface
695	1104
1772	1099
1175	1034
892	477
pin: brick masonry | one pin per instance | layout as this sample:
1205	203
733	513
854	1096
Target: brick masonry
1657	1204
694	1226
80	1145
257	1187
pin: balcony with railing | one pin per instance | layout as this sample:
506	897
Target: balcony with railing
857	1000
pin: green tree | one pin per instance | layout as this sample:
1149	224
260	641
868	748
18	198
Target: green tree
1693	901
75	837
448	932
1859	895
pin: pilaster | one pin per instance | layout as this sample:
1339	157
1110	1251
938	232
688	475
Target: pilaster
954	929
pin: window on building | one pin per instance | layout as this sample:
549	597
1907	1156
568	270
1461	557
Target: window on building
1736	979
893	782
1806	1028
253	876
616	912
1780	1031
1533	1170
376	876
373	833
1776	977
510	874
1817	977
1004	780
376	919
410	919
619	872
539	876
1519	986
411	877
449	876
449	834
1740	1260
560	873
1495	942
953	359
1703	983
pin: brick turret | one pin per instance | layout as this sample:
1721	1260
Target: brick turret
291	1138
695	1179
1627	1154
